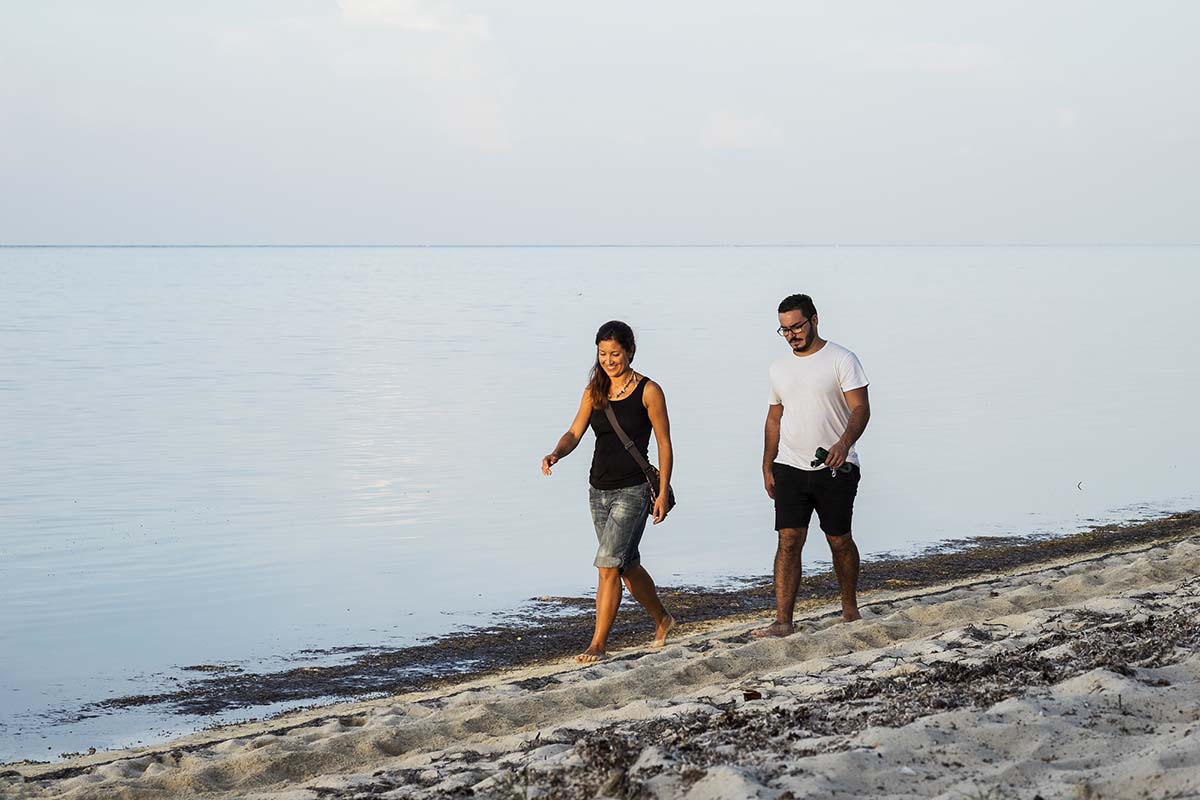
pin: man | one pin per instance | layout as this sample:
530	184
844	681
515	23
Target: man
818	400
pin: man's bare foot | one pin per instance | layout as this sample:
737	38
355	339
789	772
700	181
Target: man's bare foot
660	633
591	655
776	630
850	614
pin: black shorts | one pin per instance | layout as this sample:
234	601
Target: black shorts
798	492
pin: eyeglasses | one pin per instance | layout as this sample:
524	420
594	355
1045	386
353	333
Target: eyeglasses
795	330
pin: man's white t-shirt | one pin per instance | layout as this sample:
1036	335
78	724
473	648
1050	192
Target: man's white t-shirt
815	412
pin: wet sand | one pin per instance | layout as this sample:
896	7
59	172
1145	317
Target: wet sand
1067	667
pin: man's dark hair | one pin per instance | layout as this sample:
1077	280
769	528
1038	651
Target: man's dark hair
798	302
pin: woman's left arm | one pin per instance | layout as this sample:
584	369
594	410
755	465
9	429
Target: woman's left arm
656	407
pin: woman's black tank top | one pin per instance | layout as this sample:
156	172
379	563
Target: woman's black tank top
612	465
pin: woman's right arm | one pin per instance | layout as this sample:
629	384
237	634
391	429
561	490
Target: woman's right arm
570	439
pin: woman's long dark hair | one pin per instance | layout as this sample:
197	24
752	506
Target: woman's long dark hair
599	384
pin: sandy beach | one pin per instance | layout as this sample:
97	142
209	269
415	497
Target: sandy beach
1076	678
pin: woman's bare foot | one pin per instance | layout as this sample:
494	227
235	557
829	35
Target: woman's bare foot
591	656
850	614
660	633
776	630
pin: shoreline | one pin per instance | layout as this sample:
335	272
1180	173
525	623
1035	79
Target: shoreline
713	684
544	633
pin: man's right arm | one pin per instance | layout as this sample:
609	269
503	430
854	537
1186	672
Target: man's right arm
771	446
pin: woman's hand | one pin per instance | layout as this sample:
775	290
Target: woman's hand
660	508
548	462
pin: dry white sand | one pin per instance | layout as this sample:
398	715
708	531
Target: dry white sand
1077	680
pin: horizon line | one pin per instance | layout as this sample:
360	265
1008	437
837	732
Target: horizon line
114	246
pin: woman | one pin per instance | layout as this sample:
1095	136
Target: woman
620	495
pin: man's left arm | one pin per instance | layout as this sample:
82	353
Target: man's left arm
860	415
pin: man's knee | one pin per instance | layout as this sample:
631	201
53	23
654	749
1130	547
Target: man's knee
840	544
790	538
610	574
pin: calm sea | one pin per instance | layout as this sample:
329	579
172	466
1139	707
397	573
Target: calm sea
228	456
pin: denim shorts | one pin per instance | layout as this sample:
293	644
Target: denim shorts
620	519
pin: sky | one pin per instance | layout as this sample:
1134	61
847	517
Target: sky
560	122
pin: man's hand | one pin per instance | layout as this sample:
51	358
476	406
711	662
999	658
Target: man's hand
660	508
548	462
771	446
837	455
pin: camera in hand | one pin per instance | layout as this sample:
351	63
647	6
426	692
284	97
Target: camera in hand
822	454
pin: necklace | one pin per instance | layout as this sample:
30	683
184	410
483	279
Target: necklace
617	396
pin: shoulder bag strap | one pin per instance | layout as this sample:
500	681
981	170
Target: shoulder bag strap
630	447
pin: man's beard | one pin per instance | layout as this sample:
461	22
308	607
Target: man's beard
808	340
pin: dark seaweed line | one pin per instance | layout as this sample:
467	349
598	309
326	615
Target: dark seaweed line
551	637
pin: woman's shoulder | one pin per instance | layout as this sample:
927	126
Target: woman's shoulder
651	389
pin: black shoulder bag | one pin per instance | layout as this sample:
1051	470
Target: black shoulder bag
650	471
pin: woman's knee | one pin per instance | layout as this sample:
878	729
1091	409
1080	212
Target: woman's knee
610	574
635	578
633	573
